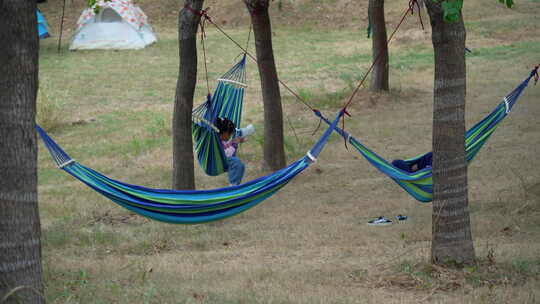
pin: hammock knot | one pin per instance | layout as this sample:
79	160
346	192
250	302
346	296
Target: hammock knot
344	111
200	13
204	14
412	3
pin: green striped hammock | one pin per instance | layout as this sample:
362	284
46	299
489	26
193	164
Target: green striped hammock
226	102
419	184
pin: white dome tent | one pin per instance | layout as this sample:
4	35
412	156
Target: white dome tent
119	24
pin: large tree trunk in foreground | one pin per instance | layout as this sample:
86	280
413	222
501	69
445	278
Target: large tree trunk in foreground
20	246
379	75
274	153
451	227
183	171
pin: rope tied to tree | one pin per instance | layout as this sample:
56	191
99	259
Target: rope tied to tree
410	9
379	56
412	3
203	36
202	23
249	37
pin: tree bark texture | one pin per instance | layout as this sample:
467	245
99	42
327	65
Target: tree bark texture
379	75
274	153
183	170
451	227
20	232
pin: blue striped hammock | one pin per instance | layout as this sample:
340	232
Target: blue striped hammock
419	184
185	206
226	102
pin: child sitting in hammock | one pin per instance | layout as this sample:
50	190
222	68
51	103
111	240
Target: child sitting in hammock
419	164
236	167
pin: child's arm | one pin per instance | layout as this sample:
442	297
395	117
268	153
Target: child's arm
238	140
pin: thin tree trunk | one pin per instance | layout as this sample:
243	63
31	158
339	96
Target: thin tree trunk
20	246
379	76
274	153
183	171
451	227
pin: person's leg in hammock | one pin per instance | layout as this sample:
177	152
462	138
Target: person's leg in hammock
236	170
421	163
401	164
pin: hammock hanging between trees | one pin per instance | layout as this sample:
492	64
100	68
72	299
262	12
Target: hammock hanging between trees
227	102
419	184
185	206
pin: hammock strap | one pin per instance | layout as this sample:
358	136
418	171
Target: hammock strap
204	14
204	56
249	36
202	23
411	4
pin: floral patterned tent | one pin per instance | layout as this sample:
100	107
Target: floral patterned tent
113	24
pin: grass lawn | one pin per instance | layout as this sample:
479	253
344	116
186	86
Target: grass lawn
112	110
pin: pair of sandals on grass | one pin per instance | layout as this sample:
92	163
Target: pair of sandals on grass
383	221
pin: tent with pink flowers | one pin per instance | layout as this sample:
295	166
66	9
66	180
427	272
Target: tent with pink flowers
112	24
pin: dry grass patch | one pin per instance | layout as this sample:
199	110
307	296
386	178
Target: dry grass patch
433	278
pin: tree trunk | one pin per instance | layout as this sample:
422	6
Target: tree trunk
379	76
451	227
274	153
183	171
20	246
